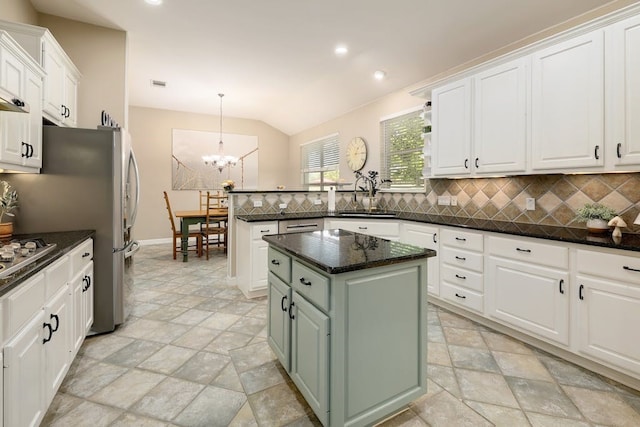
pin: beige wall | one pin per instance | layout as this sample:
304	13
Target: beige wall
18	11
101	56
151	131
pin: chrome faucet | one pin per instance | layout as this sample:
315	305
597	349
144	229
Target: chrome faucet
355	187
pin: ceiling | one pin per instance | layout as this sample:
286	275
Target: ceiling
274	59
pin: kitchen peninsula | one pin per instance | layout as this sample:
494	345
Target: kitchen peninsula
348	321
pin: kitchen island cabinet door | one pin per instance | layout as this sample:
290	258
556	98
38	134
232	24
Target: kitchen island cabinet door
568	104
624	45
24	370
279	325
608	316
310	354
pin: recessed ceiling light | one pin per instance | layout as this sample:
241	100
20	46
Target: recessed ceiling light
341	50
379	75
153	2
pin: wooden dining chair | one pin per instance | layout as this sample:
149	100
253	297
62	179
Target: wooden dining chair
214	229
177	233
218	199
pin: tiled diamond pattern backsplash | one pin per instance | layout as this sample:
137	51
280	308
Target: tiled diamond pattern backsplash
504	199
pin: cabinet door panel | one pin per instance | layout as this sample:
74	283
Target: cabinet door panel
310	355
53	82
625	50
58	314
568	104
451	144
608	318
24	400
529	297
425	237
279	324
500	118
259	266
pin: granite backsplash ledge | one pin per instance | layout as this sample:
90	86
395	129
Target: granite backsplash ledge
503	199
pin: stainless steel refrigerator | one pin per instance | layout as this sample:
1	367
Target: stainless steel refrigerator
89	180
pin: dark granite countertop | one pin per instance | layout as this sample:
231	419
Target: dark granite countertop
65	241
340	251
629	241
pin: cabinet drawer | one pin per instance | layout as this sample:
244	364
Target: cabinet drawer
262	229
57	275
461	296
462	239
461	277
534	252
22	304
610	266
461	258
314	286
81	256
280	265
384	229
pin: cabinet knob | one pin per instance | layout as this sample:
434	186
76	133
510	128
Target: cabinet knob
460	258
461	296
461	277
477	160
626	267
291	315
275	262
560	286
580	289
86	254
596	153
282	303
528	251
435	238
466	163
618	150
57	319
461	239
47	339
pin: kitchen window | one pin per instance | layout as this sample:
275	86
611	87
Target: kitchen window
402	144
320	160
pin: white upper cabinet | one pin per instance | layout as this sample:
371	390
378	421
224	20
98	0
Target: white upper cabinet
500	118
623	48
568	104
451	131
21	133
60	98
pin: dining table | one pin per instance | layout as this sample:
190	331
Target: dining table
193	217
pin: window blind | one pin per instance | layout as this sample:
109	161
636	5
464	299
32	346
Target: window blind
320	160
402	145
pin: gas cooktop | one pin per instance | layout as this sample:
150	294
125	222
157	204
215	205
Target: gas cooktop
29	251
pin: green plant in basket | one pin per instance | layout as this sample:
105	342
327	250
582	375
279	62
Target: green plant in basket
8	200
595	211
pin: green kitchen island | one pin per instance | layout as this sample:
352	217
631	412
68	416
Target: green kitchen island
348	321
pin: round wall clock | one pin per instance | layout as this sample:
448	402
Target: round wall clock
356	153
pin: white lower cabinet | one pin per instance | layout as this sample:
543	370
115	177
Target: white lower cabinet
82	296
462	268
24	371
39	319
251	256
528	286
425	236
607	301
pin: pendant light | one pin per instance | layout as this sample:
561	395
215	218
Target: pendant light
219	160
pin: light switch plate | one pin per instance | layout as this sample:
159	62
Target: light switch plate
444	200
317	202
531	204
283	206
454	200
257	203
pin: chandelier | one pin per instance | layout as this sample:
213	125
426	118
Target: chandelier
219	160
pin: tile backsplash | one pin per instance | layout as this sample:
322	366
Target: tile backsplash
557	198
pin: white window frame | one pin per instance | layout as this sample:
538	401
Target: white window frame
384	168
319	144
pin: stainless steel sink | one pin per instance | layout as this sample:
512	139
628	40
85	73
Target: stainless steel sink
361	214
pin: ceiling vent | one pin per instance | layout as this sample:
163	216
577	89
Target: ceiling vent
158	83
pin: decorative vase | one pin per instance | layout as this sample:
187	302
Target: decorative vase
369	203
597	226
6	230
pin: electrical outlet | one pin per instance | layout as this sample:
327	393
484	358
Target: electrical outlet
531	204
454	200
283	206
257	203
444	200
317	202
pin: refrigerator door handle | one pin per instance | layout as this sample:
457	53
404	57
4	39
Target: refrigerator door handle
132	247
134	163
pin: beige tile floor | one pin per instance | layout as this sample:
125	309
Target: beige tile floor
194	353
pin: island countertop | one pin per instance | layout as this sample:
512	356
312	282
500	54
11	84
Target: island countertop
340	251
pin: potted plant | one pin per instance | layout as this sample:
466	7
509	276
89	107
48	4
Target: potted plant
8	202
596	216
371	187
